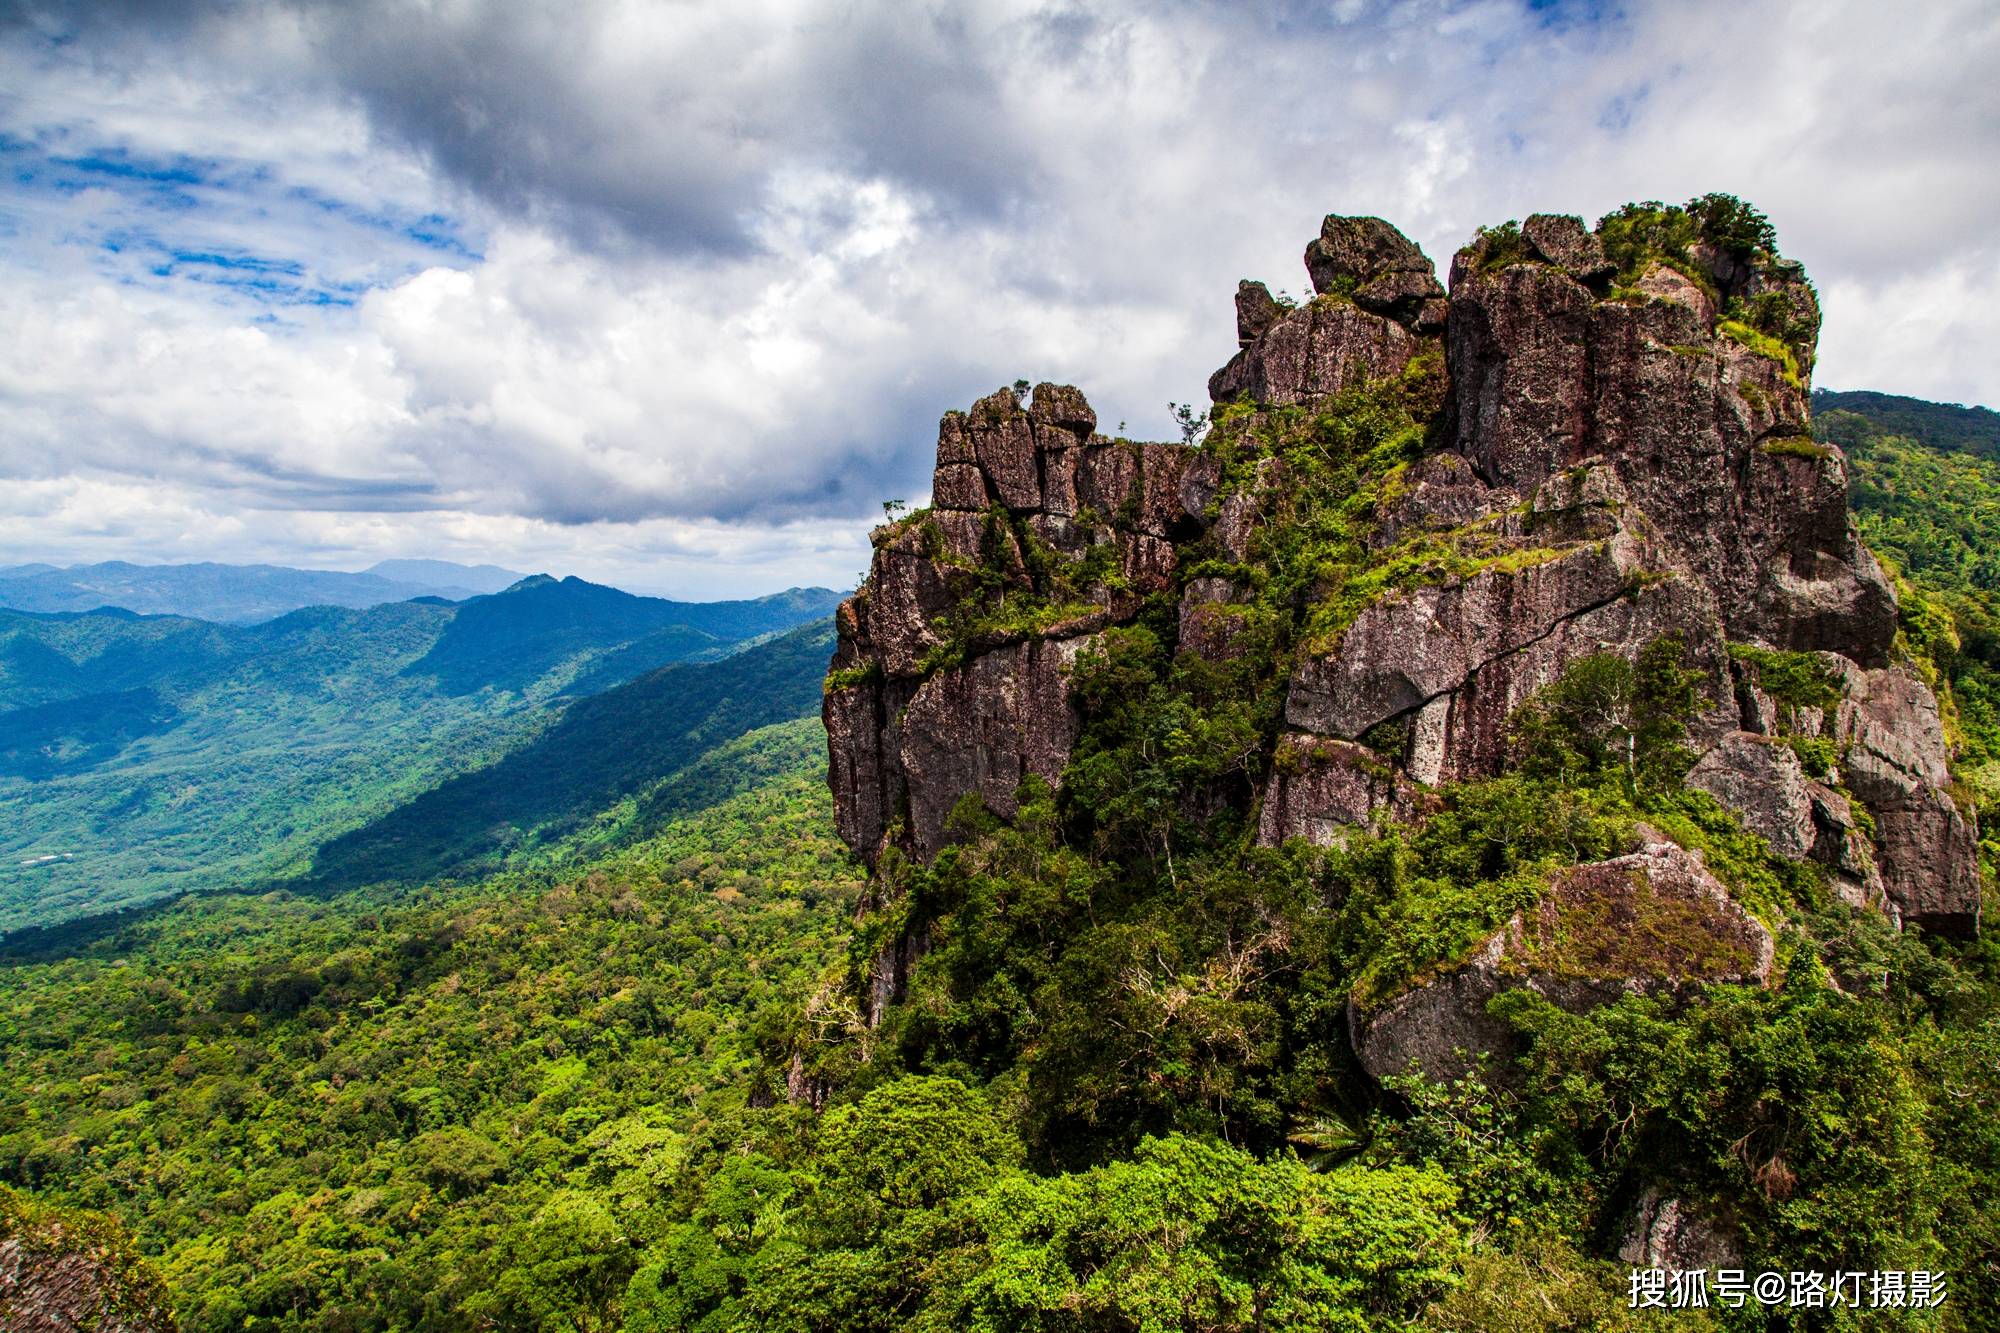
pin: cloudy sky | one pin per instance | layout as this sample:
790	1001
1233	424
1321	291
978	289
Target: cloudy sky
672	293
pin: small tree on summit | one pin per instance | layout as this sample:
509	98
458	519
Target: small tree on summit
1193	424
1733	224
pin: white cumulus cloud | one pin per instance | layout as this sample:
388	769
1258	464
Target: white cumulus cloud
675	294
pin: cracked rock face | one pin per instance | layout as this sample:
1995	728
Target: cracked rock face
43	1292
1575	572
1707	434
1895	761
983	728
1408	649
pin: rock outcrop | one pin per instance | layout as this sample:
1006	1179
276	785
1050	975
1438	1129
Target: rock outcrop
1614	451
1651	922
1761	779
51	1283
1895	762
937	689
1673	1234
1703	418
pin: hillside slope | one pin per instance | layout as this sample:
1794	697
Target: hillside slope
146	756
601	750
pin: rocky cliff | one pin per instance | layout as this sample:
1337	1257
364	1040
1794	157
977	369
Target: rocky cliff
64	1272
1415	511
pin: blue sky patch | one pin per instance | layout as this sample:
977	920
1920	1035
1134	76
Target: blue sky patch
235	231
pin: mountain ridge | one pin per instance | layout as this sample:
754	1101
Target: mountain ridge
248	594
152	754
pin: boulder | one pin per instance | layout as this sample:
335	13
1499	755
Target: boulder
1440	491
1518	349
1469	728
1849	857
1381	269
1241	511
1651	922
1562	240
1761	779
960	486
1895	760
890	621
1256	311
1063	407
1002	437
864	767
1024	456
1313	353
1135	487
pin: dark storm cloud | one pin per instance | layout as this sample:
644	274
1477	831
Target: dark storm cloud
660	125
674	140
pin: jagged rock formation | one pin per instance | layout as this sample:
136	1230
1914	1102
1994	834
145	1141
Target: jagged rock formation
927	703
1615	452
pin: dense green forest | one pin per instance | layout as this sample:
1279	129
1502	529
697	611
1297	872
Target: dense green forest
1926	490
146	756
581	771
554	1089
428	1109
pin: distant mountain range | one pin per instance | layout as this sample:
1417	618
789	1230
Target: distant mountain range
145	755
446	574
239	594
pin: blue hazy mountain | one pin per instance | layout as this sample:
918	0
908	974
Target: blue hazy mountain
446	574
229	594
144	755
